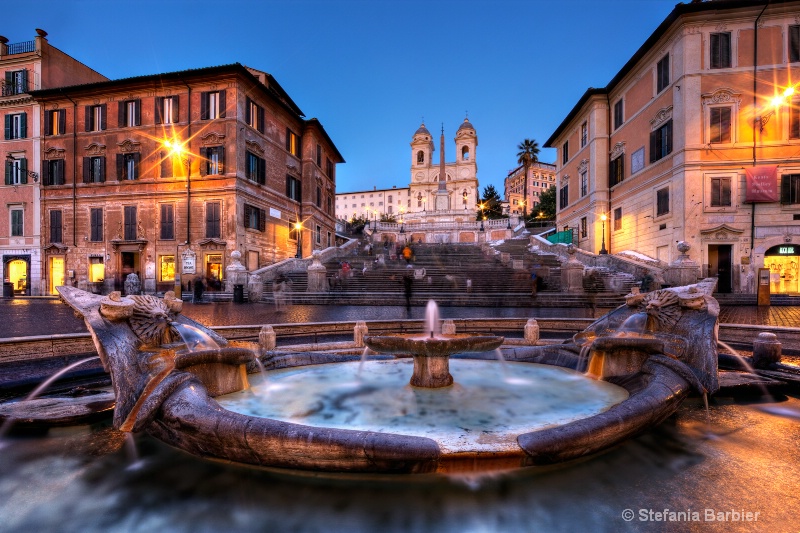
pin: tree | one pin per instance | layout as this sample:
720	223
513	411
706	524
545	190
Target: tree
388	217
527	155
547	204
492	204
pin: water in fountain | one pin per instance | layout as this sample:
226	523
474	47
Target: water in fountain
432	324
38	390
194	338
633	326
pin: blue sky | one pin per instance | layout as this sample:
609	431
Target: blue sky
370	70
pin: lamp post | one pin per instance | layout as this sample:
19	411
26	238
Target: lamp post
298	226
483	216
603	250
176	148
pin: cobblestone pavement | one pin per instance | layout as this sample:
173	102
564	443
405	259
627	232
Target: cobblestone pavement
22	317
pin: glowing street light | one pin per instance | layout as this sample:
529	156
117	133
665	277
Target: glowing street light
298	226
178	149
603	250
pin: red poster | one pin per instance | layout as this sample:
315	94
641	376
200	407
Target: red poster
762	184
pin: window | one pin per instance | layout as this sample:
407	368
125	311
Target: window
318	234
616	170
256	168
794	120
720	125
16	126
128	166
563	197
330	205
130	223
254	115
565	153
212	105
96	224
661	142
55	122
720	53
55	226
794	44
214	160
16	82
584	183
94	169
319	197
420	157
213	230
254	218
95	117
790	189
618	218
292	143
465	153
167	232
130	113
720	192
53	172
319	156
662	74
329	168
167	110
17	222
167	268
293	189
584	134
662	201
16	171
619	116
584	231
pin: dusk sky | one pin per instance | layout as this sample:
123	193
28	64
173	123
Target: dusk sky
370	70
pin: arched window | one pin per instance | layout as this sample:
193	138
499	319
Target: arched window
465	153
420	157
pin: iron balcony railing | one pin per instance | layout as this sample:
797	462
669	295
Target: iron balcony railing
22	48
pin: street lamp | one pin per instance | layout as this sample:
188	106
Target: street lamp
603	250
776	102
298	226
32	175
483	216
178	149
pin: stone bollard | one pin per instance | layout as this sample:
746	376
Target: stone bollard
359	332
766	350
532	332
266	340
448	327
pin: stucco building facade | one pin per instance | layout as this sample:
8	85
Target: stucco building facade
541	176
25	67
695	139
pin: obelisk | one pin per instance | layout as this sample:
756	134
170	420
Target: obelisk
442	200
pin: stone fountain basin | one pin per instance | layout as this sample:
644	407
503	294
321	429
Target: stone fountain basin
437	346
193	421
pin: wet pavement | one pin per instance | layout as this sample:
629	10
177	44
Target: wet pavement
21	317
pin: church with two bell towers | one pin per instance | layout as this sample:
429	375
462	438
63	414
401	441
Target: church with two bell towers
437	188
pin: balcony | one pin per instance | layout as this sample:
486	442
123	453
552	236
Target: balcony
10	89
22	48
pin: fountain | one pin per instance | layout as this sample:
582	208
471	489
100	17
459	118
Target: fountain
187	395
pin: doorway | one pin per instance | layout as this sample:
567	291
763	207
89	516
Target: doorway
56	273
17	272
720	264
129	264
214	272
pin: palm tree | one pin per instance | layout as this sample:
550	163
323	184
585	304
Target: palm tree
528	153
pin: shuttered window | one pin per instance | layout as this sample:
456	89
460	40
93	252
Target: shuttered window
720	192
96	224
213	230
720	53
130	223
55	226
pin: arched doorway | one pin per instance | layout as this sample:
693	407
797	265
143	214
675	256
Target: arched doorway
782	261
17	271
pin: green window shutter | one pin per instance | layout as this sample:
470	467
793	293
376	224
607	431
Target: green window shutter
137	113
62	121
159	110
8	127
222	104
203	106
103	116
120	167
102	169
23	129
23	170
87	169
87	118
121	122
176	110
8	172
48	123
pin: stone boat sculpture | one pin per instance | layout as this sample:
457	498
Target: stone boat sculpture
658	347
